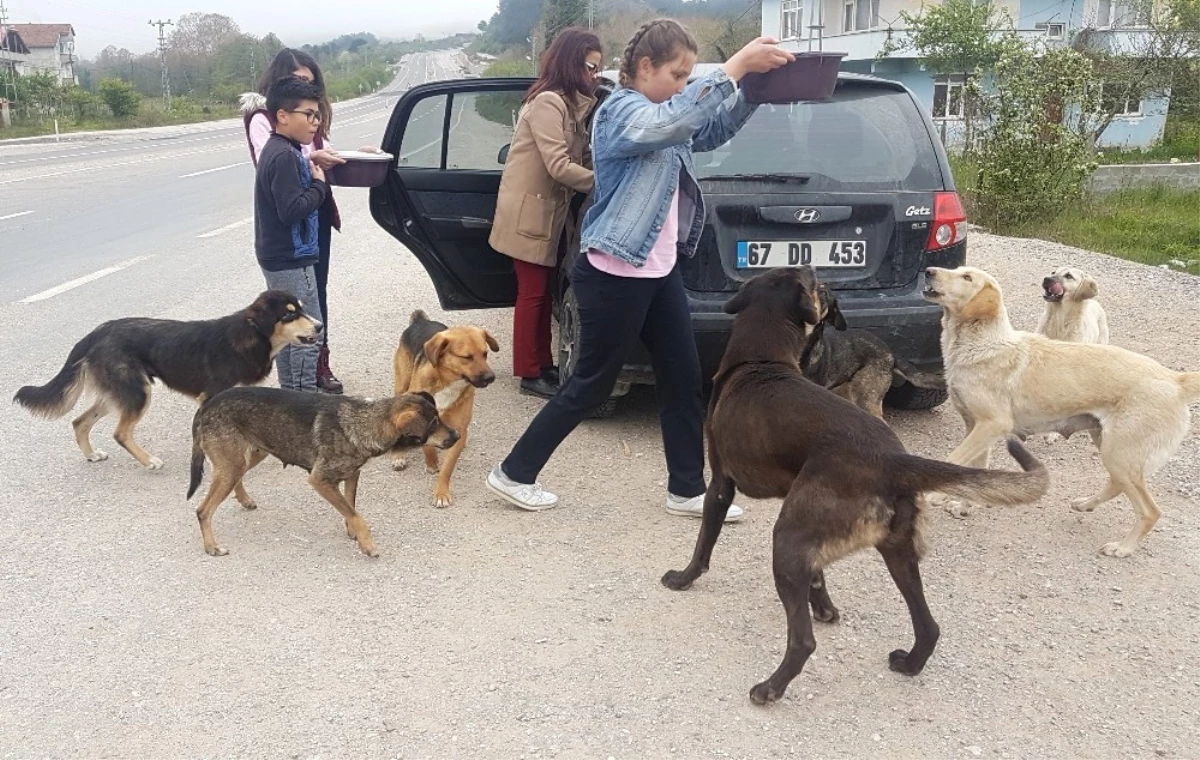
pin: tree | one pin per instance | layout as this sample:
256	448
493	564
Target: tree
120	97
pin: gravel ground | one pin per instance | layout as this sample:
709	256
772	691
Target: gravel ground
485	632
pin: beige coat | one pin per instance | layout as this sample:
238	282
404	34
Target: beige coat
548	160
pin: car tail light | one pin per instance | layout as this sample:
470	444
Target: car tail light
949	222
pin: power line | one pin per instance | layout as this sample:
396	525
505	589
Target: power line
162	56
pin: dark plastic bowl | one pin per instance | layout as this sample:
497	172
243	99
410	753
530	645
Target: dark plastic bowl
360	170
812	76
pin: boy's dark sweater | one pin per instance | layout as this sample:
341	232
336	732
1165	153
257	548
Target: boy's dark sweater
286	199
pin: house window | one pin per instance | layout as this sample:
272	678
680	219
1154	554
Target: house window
858	15
1122	13
1053	31
948	96
789	21
1115	99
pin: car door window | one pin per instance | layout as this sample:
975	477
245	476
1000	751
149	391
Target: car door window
460	131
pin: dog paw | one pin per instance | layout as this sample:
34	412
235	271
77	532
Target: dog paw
1053	438
154	464
958	509
678	580
250	506
898	661
441	502
825	614
1116	549
216	551
399	463
97	456
764	693
432	469
1083	505
368	548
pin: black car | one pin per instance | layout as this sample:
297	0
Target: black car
858	186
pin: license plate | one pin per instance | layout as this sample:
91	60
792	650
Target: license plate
815	253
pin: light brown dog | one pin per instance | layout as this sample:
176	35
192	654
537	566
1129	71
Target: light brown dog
1001	380
449	363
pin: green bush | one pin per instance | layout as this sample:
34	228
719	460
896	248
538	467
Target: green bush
120	97
502	107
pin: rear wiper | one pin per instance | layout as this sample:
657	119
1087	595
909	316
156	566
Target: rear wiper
799	178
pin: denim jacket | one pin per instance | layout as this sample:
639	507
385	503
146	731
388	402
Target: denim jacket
640	150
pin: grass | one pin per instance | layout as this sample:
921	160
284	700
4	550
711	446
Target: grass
151	115
1181	140
1149	225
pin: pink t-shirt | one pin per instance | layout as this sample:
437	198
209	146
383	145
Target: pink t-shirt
661	259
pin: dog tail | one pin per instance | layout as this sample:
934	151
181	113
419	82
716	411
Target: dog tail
909	372
59	396
987	486
1190	383
197	457
418	316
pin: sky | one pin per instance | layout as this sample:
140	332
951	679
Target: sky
124	23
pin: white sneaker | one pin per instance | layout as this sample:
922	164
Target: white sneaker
694	507
530	497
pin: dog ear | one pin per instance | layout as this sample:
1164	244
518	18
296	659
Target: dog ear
435	348
492	344
739	301
984	306
261	318
1087	289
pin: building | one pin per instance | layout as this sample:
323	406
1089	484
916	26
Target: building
860	28
51	48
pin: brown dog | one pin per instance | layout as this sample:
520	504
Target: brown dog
449	363
844	477
331	437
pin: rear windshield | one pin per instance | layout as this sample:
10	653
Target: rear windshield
864	139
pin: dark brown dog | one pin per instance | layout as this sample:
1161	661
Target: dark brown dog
119	360
855	364
844	477
331	437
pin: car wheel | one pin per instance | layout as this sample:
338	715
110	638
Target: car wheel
568	349
909	396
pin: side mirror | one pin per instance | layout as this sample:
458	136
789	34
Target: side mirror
502	156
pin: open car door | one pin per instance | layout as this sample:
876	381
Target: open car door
450	139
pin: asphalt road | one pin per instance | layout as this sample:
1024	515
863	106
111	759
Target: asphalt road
486	632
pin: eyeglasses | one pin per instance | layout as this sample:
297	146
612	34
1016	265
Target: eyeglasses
314	117
591	67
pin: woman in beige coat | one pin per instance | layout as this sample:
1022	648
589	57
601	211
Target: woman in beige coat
548	161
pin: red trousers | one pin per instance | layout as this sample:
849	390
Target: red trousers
531	320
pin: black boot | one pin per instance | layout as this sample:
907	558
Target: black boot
326	380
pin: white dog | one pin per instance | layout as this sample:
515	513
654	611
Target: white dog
1001	380
1072	311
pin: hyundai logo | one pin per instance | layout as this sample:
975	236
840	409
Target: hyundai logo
807	215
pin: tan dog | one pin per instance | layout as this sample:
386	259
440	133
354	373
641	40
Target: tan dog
449	363
1001	380
1072	311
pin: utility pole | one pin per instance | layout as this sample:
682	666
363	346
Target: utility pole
162	57
8	68
591	13
253	71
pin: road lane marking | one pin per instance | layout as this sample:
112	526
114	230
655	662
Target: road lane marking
14	216
226	228
210	171
71	285
101	170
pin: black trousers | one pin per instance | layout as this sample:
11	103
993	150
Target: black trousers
614	313
324	243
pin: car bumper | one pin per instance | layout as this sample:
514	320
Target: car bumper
910	325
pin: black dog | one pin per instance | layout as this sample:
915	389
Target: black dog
855	364
119	360
844	477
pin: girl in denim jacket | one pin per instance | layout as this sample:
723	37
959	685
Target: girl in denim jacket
647	211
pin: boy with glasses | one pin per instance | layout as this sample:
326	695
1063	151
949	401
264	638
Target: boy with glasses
288	191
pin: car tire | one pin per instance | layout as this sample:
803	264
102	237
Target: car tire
568	343
909	396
